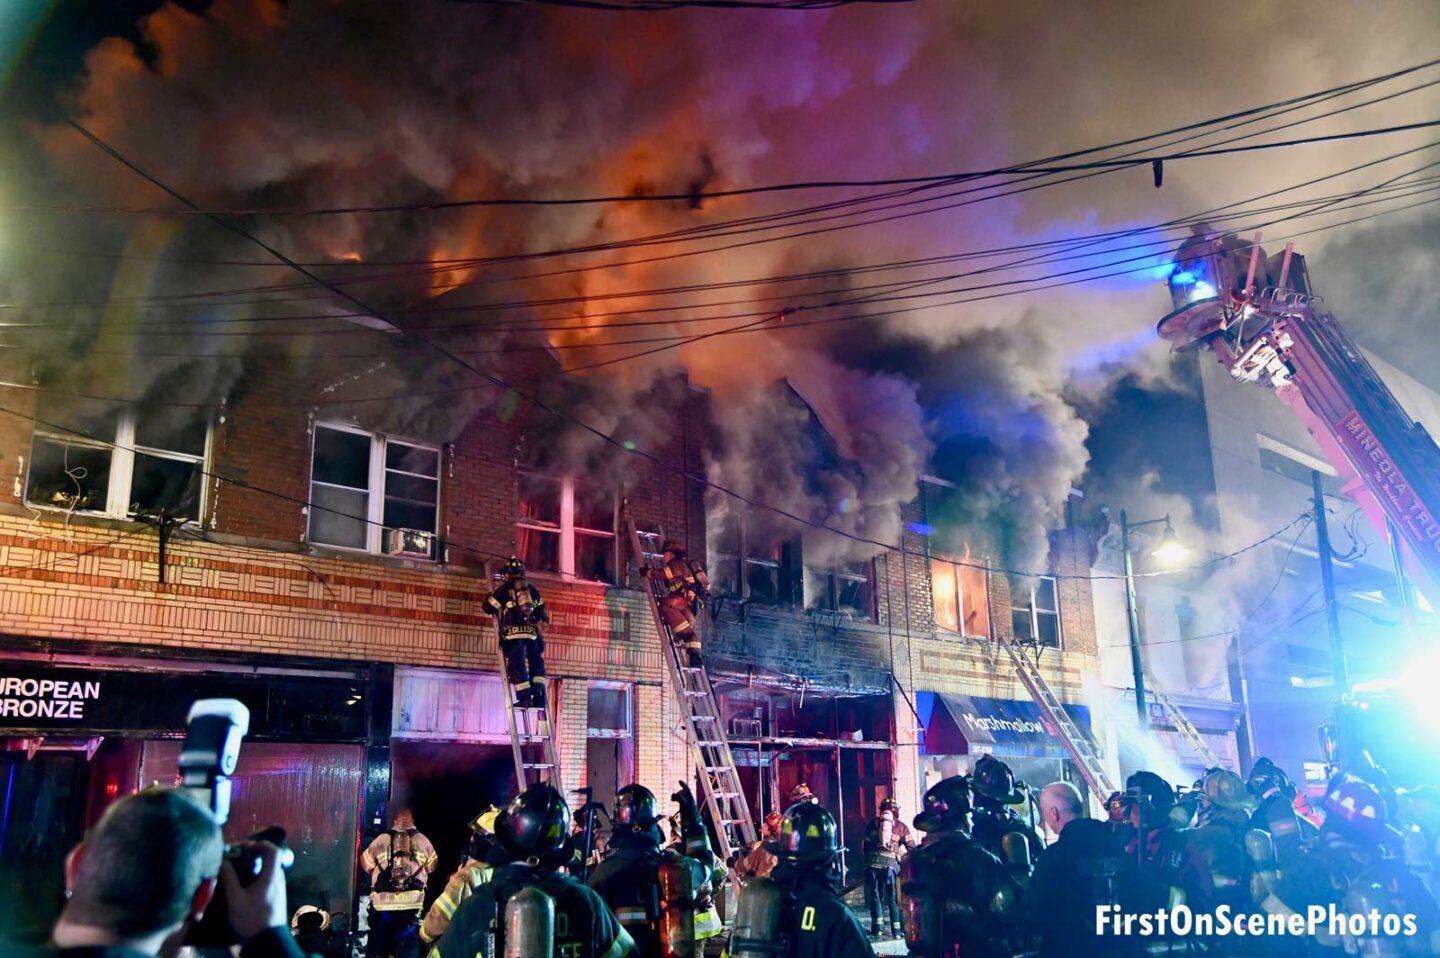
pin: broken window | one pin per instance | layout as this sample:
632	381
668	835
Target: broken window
121	463
844	587
374	493
752	565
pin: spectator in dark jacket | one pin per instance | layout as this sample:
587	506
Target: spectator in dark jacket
1084	869
145	876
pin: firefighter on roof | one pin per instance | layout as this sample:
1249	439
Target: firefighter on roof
686	587
532	836
398	862
519	611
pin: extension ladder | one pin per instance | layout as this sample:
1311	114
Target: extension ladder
1187	731
705	727
1076	744
532	735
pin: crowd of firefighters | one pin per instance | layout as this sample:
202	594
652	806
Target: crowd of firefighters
982	883
979	880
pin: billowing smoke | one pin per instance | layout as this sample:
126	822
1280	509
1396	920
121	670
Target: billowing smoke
259	104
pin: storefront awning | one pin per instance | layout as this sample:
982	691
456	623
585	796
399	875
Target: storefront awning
958	724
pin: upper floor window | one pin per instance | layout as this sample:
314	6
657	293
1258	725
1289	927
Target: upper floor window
374	493
752	566
565	527
1035	612
845	587
122	463
960	594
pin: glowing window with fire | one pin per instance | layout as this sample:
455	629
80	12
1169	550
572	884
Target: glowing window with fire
374	493
131	461
960	593
566	527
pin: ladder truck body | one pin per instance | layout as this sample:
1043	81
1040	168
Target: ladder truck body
1260	318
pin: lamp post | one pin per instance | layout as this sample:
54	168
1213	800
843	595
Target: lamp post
1168	549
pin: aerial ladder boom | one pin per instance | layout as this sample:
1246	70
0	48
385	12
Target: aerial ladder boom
1261	320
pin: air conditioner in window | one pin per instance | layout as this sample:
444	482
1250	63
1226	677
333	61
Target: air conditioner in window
410	543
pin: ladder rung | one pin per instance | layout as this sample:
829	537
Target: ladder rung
539	765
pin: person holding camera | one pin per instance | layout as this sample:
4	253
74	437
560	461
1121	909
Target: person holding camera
146	874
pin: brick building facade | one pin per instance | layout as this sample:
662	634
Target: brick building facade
373	677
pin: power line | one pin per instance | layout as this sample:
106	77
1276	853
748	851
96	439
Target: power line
209	473
754	326
416	335
1059	247
719	229
934	179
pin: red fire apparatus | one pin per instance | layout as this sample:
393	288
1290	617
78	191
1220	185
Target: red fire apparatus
1258	316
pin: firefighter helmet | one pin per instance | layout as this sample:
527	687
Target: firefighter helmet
674	546
807	835
993	779
889	804
1152	795
513	567
1222	788
636	807
1358	804
535	826
771	828
1267	778
947	804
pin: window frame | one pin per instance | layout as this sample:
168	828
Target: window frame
831	578
374	519
954	566
1035	612
122	451
745	559
611	685
570	531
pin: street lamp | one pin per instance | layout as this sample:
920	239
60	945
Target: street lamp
1168	550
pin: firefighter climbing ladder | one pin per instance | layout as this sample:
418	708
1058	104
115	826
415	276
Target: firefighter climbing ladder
1187	731
1077	746
709	744
532	736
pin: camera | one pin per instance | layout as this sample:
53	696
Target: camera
214	730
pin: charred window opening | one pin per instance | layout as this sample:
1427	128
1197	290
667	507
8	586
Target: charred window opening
1035	612
846	588
760	568
960	593
566	527
121	463
373	493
